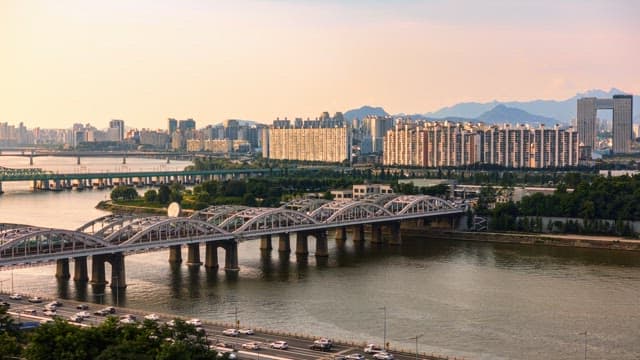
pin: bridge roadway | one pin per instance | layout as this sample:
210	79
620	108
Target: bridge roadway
22	310
47	180
109	238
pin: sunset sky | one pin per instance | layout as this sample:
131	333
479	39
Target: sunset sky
86	61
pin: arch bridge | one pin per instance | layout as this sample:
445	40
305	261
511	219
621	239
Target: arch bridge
109	238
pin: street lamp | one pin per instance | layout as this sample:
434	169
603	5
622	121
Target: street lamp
585	343
384	339
416	339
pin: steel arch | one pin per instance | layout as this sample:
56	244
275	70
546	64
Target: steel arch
33	241
304	205
106	225
414	204
218	214
341	210
9	226
380	199
171	228
254	219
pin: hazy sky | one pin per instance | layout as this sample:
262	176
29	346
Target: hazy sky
64	61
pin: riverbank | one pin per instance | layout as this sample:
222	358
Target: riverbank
578	241
108	205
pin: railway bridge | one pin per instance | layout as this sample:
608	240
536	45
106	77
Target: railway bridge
110	238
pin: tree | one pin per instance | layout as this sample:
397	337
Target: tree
151	196
123	193
163	194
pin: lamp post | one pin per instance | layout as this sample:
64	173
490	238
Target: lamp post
416	339
585	343
384	335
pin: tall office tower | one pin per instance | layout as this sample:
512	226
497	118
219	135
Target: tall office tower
173	125
118	125
622	106
186	125
231	127
622	128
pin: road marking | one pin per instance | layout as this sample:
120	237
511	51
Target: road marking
264	355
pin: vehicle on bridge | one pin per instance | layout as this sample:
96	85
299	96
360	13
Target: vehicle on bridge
15	297
383	355
282	345
230	332
254	345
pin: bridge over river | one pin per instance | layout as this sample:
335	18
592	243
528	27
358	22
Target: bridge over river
108	239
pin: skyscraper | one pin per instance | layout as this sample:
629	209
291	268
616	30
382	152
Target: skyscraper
622	106
118	129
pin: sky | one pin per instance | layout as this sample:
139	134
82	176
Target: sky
143	61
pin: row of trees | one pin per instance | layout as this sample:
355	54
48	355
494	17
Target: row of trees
109	340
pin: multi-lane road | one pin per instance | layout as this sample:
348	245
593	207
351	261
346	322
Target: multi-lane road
299	348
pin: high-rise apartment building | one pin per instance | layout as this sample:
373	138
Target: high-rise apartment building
172	125
438	144
310	144
622	106
118	132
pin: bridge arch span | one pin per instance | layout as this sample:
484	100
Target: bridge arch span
415	204
161	228
304	205
106	225
256	219
340	211
218	214
36	241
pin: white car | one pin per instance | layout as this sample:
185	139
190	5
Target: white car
355	356
246	331
15	297
383	355
372	349
49	312
76	318
194	322
83	314
127	320
282	345
35	299
251	345
152	317
230	332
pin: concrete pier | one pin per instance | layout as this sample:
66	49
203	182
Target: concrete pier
62	269
97	270
322	248
302	244
231	257
341	233
284	243
265	242
118	274
193	255
211	255
175	254
80	272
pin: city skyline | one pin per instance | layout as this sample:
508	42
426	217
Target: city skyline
77	62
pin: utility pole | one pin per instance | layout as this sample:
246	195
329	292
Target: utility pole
585	343
384	336
237	324
416	339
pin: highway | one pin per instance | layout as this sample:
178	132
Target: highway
23	310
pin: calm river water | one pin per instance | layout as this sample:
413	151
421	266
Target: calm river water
471	300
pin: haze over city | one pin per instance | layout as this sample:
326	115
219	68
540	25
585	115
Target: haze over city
145	61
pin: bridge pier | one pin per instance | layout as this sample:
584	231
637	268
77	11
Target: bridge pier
118	279
193	255
302	245
284	243
78	160
175	254
31	159
396	236
62	269
265	242
231	257
358	232
322	249
80	272
124	160
211	255
376	234
341	233
97	270
1	187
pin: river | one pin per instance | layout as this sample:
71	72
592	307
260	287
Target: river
471	300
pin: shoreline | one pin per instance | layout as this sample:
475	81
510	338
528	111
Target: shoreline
564	240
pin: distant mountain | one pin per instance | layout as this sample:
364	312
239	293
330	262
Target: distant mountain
363	112
562	111
502	114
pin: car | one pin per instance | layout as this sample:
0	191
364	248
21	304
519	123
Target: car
200	329
5	304
251	345
225	345
152	317
76	318
110	309
171	323
101	312
127	320
194	322
49	312
35	299
57	303
373	348
338	357
15	297
51	307
83	314
230	354
29	311
356	356
230	332
383	355
282	345
246	331
317	345
82	307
